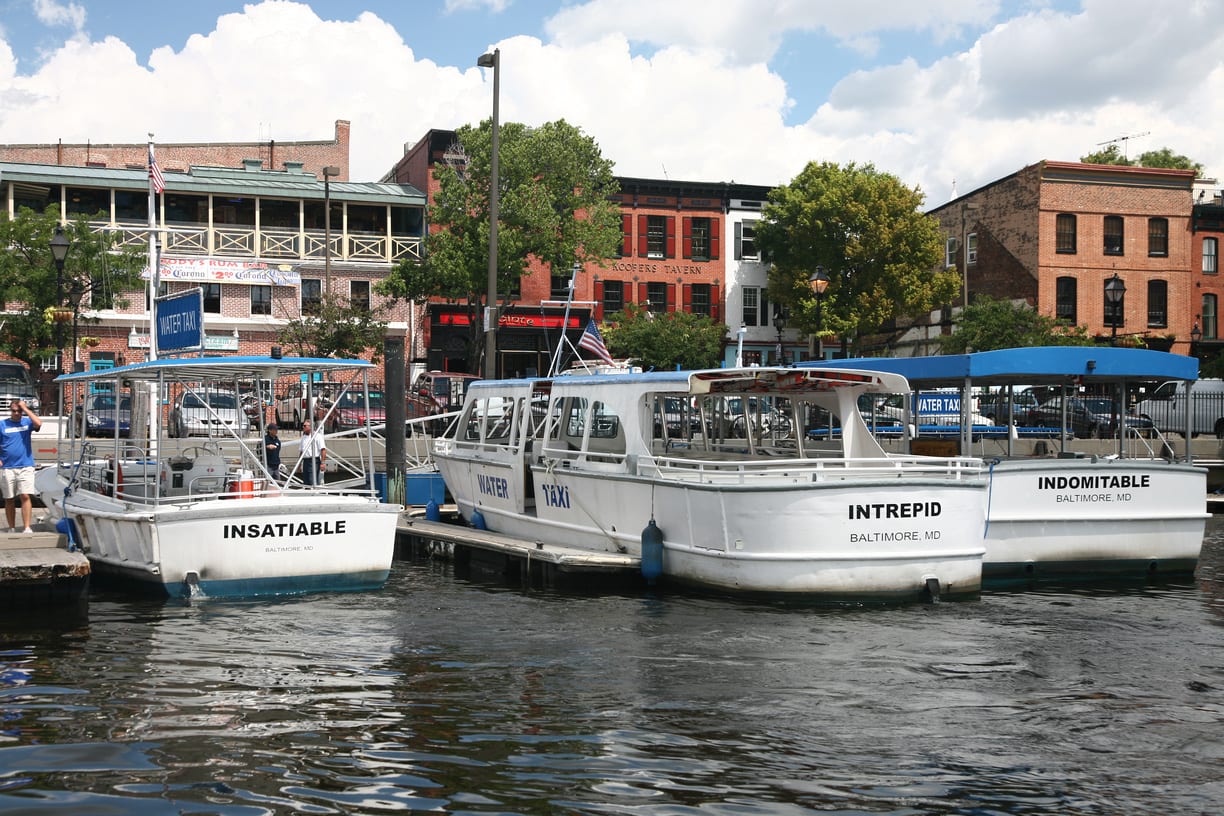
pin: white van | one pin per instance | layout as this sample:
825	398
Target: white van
1166	407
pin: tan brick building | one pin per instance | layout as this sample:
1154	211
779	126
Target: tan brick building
1054	233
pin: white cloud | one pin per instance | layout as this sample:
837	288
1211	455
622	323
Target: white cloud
52	13
704	106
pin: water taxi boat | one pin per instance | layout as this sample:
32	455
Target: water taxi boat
208	516
1081	509
732	496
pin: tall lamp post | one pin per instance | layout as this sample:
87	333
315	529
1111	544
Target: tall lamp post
819	283
493	61
59	253
779	323
1115	290
1196	334
328	172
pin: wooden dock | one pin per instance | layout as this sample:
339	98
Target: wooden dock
529	563
38	573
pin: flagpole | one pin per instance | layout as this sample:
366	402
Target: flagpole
556	361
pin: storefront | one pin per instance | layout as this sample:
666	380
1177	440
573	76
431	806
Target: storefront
527	338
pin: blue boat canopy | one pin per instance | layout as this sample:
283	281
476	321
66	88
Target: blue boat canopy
1038	365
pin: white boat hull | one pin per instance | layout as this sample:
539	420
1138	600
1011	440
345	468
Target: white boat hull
832	540
1092	519
240	547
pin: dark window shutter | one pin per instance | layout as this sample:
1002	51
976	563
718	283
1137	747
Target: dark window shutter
671	290
739	238
643	292
626	235
686	236
598	297
643	244
715	304
714	239
669	249
686	293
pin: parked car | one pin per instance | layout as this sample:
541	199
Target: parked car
207	413
96	416
677	417
350	411
446	388
16	382
996	408
1094	417
290	407
1166	407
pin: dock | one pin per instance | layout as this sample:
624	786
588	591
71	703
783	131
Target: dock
495	555
38	573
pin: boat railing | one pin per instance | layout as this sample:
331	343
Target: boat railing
724	467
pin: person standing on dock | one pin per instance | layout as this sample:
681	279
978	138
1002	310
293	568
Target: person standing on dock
17	463
272	447
314	454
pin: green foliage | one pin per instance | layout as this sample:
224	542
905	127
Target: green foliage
336	329
988	324
665	340
866	229
553	205
1164	157
96	269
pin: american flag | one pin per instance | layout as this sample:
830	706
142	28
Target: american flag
155	173
592	342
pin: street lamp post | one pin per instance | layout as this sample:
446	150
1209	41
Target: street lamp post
779	323
328	172
1115	290
1196	334
493	61
60	245
819	283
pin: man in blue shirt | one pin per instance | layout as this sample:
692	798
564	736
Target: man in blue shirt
17	463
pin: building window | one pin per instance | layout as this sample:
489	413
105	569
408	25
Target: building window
697	239
971	248
261	300
1113	235
1158	237
950	253
359	295
1158	304
558	287
656	236
312	295
1210	330
1065	234
1114	312
212	298
700	303
1211	256
745	241
1066	295
613	296
656	297
752	304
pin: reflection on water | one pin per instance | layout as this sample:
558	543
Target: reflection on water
440	694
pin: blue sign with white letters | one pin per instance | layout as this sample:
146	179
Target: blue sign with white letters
180	321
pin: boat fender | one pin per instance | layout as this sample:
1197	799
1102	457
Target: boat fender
931	590
432	511
478	520
65	527
652	552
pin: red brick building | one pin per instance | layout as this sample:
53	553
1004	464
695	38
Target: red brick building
1054	233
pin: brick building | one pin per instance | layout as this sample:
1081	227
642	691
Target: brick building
1207	231
1053	233
682	248
255	241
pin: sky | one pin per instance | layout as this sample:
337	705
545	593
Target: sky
946	95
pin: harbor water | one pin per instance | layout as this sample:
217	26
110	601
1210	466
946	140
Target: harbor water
444	694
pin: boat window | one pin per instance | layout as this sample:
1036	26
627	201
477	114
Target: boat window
605	422
575	420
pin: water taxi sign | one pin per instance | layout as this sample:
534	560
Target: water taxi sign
180	321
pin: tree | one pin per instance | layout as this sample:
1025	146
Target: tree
866	230
336	329
988	324
97	271
1164	157
665	340
554	205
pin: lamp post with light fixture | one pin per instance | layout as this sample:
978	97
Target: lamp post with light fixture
1196	334
492	60
60	244
1115	290
819	282
779	323
328	172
